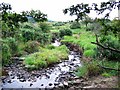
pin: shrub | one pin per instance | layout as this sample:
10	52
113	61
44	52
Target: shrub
89	69
75	25
28	34
110	64
93	68
109	41
44	27
50	47
66	32
32	46
12	43
5	54
81	71
43	38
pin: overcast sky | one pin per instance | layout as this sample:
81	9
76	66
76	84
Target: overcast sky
53	8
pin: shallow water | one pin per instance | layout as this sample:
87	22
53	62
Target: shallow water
54	76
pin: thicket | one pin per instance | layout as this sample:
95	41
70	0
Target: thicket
19	36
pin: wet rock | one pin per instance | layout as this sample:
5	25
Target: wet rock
56	83
60	85
71	88
65	83
50	84
89	87
9	81
72	64
42	84
12	77
22	80
31	84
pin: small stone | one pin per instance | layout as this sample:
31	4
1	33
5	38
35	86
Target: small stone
56	83
42	84
22	80
31	84
71	88
65	83
72	64
9	81
50	84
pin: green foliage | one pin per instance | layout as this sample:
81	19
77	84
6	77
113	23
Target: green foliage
110	64
43	38
89	69
93	68
58	24
45	27
12	43
28	34
84	40
6	54
65	32
109	41
46	57
36	14
50	47
89	53
81	71
75	25
32	46
105	74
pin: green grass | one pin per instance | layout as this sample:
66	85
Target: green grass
92	69
46	57
83	39
110	64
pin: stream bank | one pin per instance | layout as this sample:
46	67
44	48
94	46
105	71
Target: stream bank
55	76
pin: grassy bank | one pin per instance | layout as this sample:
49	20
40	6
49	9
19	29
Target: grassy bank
46	56
84	38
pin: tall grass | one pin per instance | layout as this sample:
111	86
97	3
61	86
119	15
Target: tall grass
46	57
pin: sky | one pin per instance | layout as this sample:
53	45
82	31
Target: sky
53	8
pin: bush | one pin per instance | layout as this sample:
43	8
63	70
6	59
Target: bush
43	38
89	69
28	34
44	27
66	32
75	25
5	54
109	41
93	68
81	71
32	46
12	43
50	47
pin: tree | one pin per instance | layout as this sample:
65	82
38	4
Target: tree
86	20
10	21
81	10
36	14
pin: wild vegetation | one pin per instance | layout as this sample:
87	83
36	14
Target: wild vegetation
99	40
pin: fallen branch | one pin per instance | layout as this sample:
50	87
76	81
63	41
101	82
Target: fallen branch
109	48
109	68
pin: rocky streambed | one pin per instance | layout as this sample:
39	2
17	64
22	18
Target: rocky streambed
55	76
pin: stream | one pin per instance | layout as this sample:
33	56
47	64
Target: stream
54	76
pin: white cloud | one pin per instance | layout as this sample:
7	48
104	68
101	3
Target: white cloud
53	8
